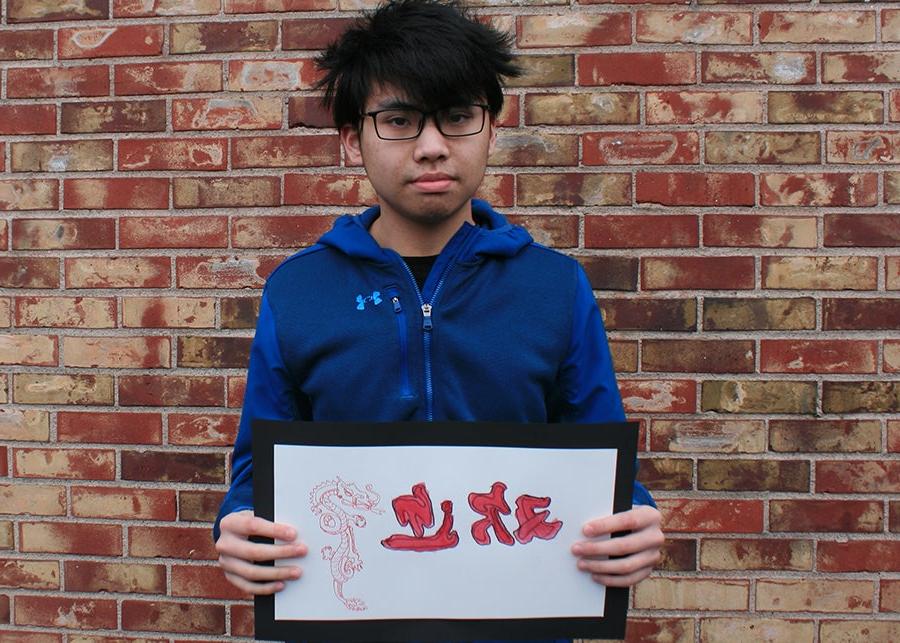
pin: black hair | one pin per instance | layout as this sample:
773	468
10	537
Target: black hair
433	52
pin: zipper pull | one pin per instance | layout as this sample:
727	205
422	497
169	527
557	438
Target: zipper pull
426	316
396	302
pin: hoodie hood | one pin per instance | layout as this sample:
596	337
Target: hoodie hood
492	236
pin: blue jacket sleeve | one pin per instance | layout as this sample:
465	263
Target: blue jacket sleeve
587	380
270	394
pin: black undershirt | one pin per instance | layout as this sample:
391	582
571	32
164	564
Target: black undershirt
420	267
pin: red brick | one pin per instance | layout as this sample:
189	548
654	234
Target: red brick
46	82
641	148
315	33
109	428
225	272
574	30
882	67
32	11
227	192
782	67
72	613
678	555
286	151
168	312
31	44
142	8
29	272
890	596
573	189
832	189
676	273
704	107
708	27
123	503
308	111
218	37
101	42
860	314
184	543
649	314
74	464
711	516
113	116
862	230
658	396
27	119
29	574
199	505
652	630
858	556
116	194
237	385
818	356
826	515
252	112
759	231
497	189
206	154
708	436
645	68
29	350
162	466
895	516
816	26
91	576
173	617
195	581
697	356
271	75
857	477
63	234
641	231
29	194
168	78
173	232
117	272
327	189
695	188
208	429
278	231
666	473
70	538
170	390
242	620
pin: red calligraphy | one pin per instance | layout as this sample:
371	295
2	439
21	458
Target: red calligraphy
534	524
415	511
490	505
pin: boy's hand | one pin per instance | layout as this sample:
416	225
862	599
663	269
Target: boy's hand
237	554
640	549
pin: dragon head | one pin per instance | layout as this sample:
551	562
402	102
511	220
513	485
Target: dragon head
351	495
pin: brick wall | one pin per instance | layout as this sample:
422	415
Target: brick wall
728	173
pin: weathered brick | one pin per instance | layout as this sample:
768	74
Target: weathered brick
649	314
825	436
29	574
555	231
825	107
545	71
892	273
676	273
195	581
816	26
745	396
697	356
624	356
861	397
43	388
24	424
173	232
574	30
208	429
199	154
251	112
77	464
6	313
860	314
308	111
658	396
116	193
866	230
704	107
70	538
123	503
48	10
777	67
593	108
117	272
762	147
6	535
112	428
72	613
708	436
185	543
113	116
820	273
239	312
29	350
172	390
752	475
678	555
641	148
890	25
611	273
648	630
891	356
641	231
100	42
312	34
857	477
858	556
817	356
862	630
231	192
29	194
31	44
46	82
769	630
708	27
573	189
863	147
173	617
62	156
890	596
819	595
666	473
826	515
213	352
237	386
271	75
695	188
117	352
267	6
199	505
142	8
162	466
225	272
692	594
518	148
31	499
759	231
23	635
644	68
168	78
213	37
91	576
881	67
63	234
725	554
168	312
832	189
327	189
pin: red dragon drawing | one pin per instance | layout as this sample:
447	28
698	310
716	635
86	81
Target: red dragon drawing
336	503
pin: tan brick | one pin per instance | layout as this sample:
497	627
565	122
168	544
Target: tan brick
762	147
123	503
708	27
890	596
890	25
28	350
6	534
227	192
708	436
820	273
825	107
211	37
90	576
47	10
33	499
574	29
66	312
117	272
704	107
624	356
819	189
756	554
31	388
759	630
863	147
892	278
5	313
270	75
760	231
752	475
251	112
545	71
817	26
574	189
780	67
168	78
62	156
892	186
666	473
71	538
825	436
78	464
168	312
819	595
759	314
861	397
759	397
29	194
141	8
27	424
691	594
29	574
859	631
891	357
526	149
594	108
117	352
114	116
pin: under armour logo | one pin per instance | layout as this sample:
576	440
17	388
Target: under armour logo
361	301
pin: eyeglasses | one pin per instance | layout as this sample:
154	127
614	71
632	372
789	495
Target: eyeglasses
399	124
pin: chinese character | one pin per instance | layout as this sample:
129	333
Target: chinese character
490	505
534	524
415	511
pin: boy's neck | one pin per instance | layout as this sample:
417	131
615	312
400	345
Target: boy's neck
417	239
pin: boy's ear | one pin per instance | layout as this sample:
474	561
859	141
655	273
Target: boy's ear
492	123
350	141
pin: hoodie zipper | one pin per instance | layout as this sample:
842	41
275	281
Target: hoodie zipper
405	390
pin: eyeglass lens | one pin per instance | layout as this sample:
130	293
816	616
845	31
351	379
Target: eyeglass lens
408	123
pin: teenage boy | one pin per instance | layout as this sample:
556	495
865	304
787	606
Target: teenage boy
429	305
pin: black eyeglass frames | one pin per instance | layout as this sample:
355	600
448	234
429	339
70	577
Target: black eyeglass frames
404	123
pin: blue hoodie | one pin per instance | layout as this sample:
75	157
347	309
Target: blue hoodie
504	329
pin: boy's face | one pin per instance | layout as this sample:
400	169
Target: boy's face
426	180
